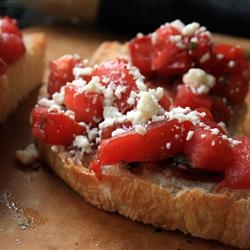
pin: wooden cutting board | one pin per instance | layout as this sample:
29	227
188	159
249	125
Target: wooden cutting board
38	211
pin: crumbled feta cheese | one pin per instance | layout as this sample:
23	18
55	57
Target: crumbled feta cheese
199	80
120	90
70	114
79	71
45	102
178	24
190	29
231	64
154	37
189	135
82	142
58	97
139	129
118	131
29	155
205	58
111	111
168	145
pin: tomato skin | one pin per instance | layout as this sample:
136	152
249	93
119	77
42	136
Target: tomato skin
238	174
61	72
140	52
87	105
53	127
11	47
186	98
204	151
118	74
9	25
237	88
152	146
221	111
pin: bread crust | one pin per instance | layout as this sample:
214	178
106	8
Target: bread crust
222	216
159	199
23	75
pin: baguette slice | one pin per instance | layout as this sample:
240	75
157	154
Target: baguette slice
23	75
157	197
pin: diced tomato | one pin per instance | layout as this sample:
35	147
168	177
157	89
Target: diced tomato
117	73
237	88
162	140
202	50
9	25
167	58
165	102
11	47
232	58
107	132
53	127
209	151
238	174
140	52
220	110
87	105
61	72
187	98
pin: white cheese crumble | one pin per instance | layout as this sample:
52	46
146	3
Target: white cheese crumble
189	135
29	155
82	142
190	29
168	145
139	129
205	58
80	71
199	81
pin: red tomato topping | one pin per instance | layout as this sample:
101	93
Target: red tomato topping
9	25
53	127
238	174
61	72
221	112
140	50
87	105
117	73
162	140
11	47
187	98
205	149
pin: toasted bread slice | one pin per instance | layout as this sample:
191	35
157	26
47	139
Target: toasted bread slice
22	76
156	197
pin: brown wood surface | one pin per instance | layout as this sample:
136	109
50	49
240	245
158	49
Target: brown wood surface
38	211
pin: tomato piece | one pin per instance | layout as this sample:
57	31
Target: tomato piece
118	75
238	174
53	127
202	50
233	58
220	110
237	88
165	102
87	105
162	140
167	57
205	150
140	52
61	72
187	98
9	25
11	47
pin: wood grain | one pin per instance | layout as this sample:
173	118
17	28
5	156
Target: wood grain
38	211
